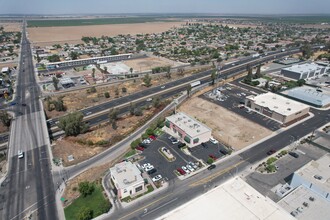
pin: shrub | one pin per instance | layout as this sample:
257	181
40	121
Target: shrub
135	143
283	152
149	131
107	95
271	160
144	136
210	160
86	188
271	168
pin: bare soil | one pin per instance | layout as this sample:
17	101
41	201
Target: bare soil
44	36
228	127
11	27
146	64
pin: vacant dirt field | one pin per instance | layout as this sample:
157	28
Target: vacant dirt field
50	35
228	127
11	27
148	63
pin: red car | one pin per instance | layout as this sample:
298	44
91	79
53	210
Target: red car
152	137
181	171
139	148
213	157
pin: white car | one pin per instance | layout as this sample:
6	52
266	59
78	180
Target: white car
144	166
190	168
163	87
146	141
213	140
149	168
157	178
175	141
20	154
185	169
243	94
193	165
149	100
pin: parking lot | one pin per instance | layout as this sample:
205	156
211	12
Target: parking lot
161	164
232	98
204	152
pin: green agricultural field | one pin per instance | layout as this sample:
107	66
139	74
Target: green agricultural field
96	21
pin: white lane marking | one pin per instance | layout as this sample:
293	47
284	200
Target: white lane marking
159	207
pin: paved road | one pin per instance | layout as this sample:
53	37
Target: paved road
180	192
28	188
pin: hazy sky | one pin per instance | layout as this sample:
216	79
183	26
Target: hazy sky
165	6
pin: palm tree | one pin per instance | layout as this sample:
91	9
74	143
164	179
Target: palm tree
93	73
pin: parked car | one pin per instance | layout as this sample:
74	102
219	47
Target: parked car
157	178
190	168
139	148
148	168
143	145
185	169
204	145
152	171
152	137
193	165
213	140
213	157
174	141
181	145
144	166
294	154
211	167
272	151
149	100
146	141
20	154
181	171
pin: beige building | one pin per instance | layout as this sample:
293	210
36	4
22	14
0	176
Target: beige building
277	107
187	129
127	179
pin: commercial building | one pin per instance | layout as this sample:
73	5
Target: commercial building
127	179
66	82
277	107
5	70
235	199
304	71
310	95
187	129
87	61
315	176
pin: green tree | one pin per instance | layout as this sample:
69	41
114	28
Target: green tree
301	82
59	104
168	72
267	84
55	83
131	70
258	73
181	71
306	50
85	213
188	90
74	55
107	95
72	124
132	108
93	73
147	80
86	188
105	69
53	58
156	102
5	118
113	117
213	76
124	90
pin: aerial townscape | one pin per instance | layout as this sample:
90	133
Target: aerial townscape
165	110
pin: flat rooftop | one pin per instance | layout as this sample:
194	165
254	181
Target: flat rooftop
302	68
315	206
319	167
188	124
234	199
126	174
311	95
277	103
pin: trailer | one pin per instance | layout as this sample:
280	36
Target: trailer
194	84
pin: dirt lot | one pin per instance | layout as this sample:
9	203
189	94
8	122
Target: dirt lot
80	147
146	64
11	27
80	99
49	35
228	127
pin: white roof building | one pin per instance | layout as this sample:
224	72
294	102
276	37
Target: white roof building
278	107
303	71
187	129
127	179
234	199
5	70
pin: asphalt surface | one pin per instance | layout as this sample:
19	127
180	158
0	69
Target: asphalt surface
28	188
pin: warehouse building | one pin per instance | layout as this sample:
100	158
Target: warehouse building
310	95
304	71
127	179
187	129
277	107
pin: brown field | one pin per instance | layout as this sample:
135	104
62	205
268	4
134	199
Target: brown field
11	27
50	35
148	63
227	127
